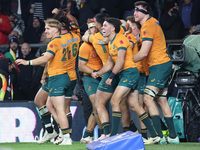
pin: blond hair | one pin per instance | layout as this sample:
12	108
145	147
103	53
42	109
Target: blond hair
53	23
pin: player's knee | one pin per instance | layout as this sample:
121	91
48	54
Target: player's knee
150	92
149	95
43	110
163	95
38	103
114	103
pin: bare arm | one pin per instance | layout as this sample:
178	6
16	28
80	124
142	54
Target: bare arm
120	61
132	45
109	65
69	16
128	31
118	66
83	67
38	61
44	75
86	36
125	24
144	51
72	18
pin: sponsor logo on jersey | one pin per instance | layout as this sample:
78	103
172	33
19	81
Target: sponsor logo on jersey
125	80
101	42
157	22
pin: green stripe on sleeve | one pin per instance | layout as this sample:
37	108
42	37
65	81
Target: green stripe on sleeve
147	39
83	59
50	52
123	48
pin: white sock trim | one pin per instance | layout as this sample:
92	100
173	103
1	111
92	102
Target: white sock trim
43	110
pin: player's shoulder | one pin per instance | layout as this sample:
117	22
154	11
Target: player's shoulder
151	22
98	35
121	37
86	45
131	37
55	40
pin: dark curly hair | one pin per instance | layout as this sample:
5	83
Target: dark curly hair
115	22
61	17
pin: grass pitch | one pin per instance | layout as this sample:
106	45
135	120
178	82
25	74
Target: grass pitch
78	146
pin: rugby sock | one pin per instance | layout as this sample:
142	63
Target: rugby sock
65	131
87	133
101	131
132	126
144	133
147	122
106	128
126	129
116	116
170	124
46	118
69	117
157	125
55	125
163	126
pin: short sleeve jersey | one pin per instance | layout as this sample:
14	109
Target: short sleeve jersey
122	30
70	46
133	40
88	54
145	66
120	42
100	46
56	66
151	31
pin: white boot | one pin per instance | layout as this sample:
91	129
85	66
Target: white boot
67	140
86	140
47	137
59	138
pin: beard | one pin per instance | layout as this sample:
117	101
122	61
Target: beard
14	48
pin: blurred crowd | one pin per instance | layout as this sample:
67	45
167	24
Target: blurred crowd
22	24
26	16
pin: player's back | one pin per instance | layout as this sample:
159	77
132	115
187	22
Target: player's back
70	44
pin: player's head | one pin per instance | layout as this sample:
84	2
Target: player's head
99	19
61	16
142	9
52	28
111	26
135	26
145	7
91	25
131	21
